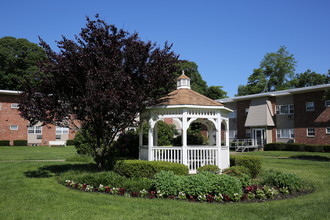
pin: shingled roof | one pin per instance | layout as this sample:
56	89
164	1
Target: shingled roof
187	97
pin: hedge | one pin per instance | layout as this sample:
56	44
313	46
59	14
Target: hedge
142	168
253	163
20	143
69	142
4	143
296	147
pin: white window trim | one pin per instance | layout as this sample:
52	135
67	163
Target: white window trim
290	109
14	105
233	134
308	132
61	130
34	130
12	129
279	133
307	107
327	103
327	130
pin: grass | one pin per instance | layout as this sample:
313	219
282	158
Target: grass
29	190
36	153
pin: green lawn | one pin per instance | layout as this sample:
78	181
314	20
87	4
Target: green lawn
29	191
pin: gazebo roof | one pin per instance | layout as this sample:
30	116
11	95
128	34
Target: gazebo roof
183	95
188	97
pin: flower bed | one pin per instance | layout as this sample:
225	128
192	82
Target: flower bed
247	193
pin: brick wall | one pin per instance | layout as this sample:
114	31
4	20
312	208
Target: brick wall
10	116
318	119
241	118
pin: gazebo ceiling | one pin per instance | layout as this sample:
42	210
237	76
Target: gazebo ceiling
187	97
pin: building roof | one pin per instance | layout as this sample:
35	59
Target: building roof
277	93
187	97
10	92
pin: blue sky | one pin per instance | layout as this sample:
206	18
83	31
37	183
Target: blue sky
227	39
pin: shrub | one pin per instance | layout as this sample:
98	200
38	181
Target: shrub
142	168
209	168
4	143
251	162
196	185
296	147
136	184
282	180
104	178
20	143
167	182
237	171
227	185
82	146
69	142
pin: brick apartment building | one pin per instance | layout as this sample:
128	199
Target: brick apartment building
300	115
14	127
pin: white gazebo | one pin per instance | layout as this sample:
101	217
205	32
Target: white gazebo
185	106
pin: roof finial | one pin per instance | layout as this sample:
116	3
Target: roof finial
183	81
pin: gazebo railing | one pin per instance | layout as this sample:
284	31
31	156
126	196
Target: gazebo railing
196	156
168	154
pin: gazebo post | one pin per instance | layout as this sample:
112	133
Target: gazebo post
150	141
140	139
218	139
184	138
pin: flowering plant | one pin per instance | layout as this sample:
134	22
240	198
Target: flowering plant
218	198
201	198
182	196
160	194
143	193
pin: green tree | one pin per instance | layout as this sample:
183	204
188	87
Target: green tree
257	83
191	70
196	81
309	78
278	69
18	62
166	133
276	72
216	92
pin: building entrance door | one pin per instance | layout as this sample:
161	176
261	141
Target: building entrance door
259	136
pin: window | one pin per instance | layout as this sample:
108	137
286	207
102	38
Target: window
248	133
327	130
14	105
232	133
327	103
310	132
61	130
309	106
285	133
39	136
233	114
284	109
58	136
13	127
34	130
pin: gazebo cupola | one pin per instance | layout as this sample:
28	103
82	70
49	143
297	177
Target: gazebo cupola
185	106
183	82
